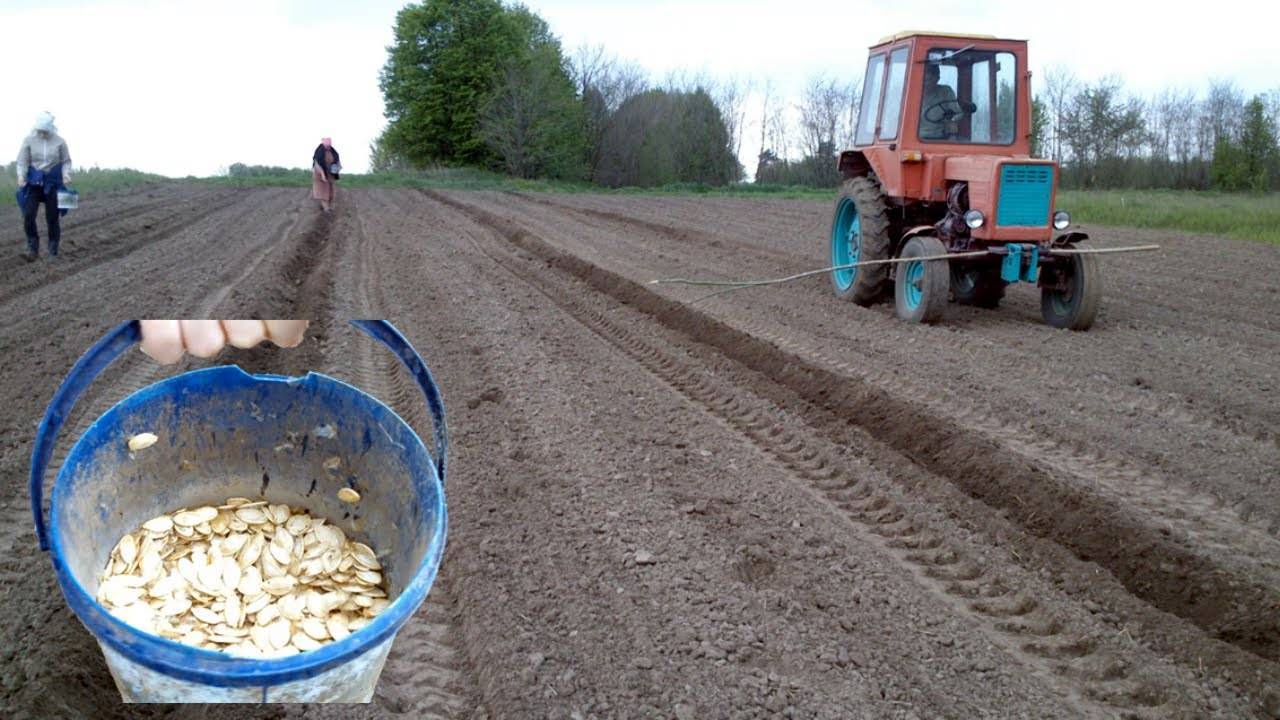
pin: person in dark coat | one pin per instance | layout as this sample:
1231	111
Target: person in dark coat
325	166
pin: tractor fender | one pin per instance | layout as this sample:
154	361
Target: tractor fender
852	164
918	230
1071	237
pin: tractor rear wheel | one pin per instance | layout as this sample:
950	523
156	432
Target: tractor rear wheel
977	284
860	232
1071	301
923	285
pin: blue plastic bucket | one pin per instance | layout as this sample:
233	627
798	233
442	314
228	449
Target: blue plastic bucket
225	433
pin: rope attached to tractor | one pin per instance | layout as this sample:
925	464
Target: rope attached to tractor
731	285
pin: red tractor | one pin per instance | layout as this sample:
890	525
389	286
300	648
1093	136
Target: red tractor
941	170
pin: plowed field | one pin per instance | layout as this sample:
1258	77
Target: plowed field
770	503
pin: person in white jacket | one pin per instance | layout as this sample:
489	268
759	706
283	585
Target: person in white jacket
44	168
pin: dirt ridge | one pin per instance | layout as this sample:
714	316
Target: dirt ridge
1154	567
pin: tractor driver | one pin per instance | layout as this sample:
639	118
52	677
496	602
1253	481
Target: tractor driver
934	123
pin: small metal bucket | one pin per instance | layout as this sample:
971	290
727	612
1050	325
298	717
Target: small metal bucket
68	199
223	433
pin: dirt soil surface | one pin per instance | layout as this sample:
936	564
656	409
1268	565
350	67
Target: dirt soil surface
769	503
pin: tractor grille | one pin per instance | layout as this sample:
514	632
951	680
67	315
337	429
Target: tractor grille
1024	195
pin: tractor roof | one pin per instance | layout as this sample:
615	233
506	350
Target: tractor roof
924	33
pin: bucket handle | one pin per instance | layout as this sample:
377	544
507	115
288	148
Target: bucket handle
127	334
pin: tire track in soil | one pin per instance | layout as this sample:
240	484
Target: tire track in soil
1138	486
1042	642
1194	418
1208	416
1180	579
424	675
427	674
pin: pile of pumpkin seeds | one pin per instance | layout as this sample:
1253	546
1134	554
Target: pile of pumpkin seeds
247	577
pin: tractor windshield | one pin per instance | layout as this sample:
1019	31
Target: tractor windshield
969	96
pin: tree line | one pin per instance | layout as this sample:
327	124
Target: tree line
1105	137
487	84
483	83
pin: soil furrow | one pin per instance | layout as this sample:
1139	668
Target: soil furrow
949	573
937	449
75	261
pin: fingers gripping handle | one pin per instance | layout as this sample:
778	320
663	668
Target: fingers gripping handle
87	368
126	335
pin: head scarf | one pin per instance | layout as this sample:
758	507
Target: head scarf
44	123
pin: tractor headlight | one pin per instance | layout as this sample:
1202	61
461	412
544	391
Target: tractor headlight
974	219
1061	220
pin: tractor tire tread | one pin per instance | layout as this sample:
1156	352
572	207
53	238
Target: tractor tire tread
871	284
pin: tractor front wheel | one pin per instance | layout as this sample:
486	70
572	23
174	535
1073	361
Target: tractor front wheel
1071	292
922	285
860	232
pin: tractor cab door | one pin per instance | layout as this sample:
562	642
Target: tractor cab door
880	112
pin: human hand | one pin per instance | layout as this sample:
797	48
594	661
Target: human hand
166	340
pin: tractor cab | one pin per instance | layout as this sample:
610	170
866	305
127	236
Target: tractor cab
944	91
941	166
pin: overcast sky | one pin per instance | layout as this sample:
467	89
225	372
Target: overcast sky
180	87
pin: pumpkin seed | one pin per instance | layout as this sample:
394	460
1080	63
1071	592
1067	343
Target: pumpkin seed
336	624
279	585
268	614
279	633
347	495
251	515
142	441
304	642
315	627
160	525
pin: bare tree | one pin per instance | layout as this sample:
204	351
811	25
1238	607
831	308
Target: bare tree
853	94
821	110
1224	109
731	96
1060	86
765	107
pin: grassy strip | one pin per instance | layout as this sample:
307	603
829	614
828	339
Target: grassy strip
474	179
92	180
1236	215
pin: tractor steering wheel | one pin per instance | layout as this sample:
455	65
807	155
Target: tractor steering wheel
944	113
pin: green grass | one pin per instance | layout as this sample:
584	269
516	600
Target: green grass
1236	215
89	181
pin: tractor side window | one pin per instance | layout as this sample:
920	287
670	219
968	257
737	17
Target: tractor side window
870	108
1006	99
980	86
892	111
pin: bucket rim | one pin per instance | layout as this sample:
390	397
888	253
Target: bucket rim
211	667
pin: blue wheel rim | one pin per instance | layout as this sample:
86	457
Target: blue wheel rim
913	275
846	243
